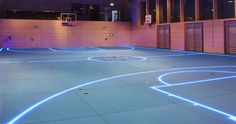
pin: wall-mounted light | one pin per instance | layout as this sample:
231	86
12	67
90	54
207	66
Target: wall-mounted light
112	4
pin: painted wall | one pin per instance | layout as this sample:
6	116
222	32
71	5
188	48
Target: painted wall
49	33
213	35
45	33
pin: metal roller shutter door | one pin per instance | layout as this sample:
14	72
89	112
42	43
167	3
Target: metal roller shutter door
194	37
163	36
230	37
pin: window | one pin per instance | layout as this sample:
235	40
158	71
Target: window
40	15
152	10
143	12
175	11
189	10
163	11
225	9
206	9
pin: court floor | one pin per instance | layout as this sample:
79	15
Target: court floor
116	85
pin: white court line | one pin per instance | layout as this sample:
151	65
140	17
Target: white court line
196	104
93	59
158	88
78	51
182	51
25	51
160	78
14	62
49	61
52	49
175	55
31	108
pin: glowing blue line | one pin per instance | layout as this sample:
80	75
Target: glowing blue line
176	55
160	78
48	61
195	82
94	60
223	55
170	50
15	119
131	47
23	51
73	51
15	62
1	49
166	50
52	49
128	47
230	116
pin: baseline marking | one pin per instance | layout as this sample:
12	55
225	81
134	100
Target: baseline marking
52	49
95	50
25	51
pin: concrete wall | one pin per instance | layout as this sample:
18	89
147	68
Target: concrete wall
47	33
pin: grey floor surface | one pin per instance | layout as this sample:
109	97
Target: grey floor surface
116	85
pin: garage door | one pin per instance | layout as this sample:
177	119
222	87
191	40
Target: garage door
163	37
194	37
230	37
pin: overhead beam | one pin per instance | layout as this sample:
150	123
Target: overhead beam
168	11
197	10
158	12
215	9
181	6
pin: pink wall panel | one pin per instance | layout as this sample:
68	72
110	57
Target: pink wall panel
177	36
144	36
214	36
45	33
48	33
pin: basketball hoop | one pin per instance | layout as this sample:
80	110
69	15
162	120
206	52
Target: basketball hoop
68	19
148	19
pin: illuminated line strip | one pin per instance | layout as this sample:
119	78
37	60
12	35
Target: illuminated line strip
23	51
73	51
166	50
48	61
129	47
94	60
1	49
199	81
42	61
230	116
212	54
223	55
16	62
160	78
79	48
176	55
19	116
52	49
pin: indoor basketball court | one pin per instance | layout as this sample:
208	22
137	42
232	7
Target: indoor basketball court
118	62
